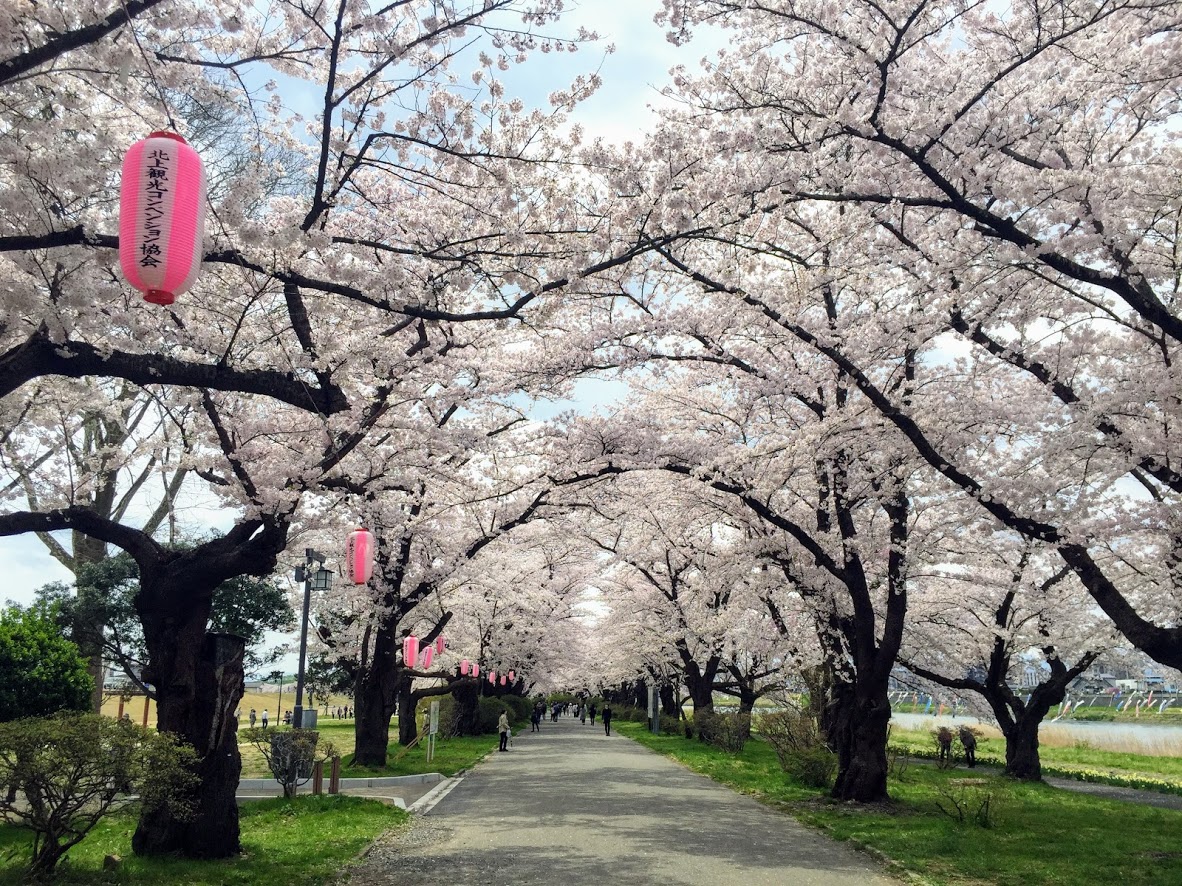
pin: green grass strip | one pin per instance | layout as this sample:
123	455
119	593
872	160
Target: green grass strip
1036	833
301	842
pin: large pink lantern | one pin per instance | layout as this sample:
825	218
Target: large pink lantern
475	669
512	676
464	667
161	217
359	556
440	644
503	681
410	650
426	656
492	676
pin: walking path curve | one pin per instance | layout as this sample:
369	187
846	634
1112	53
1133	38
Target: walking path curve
574	807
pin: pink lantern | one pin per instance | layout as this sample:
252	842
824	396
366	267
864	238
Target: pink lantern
503	680
512	676
426	656
492	676
475	669
161	217
359	556
410	650
440	644
464	667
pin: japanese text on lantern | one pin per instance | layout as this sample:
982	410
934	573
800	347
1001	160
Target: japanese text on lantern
155	187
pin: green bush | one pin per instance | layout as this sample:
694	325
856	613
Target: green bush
792	732
672	725
70	767
726	731
519	709
490	713
813	767
41	672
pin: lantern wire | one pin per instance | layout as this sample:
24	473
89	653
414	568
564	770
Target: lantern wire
150	66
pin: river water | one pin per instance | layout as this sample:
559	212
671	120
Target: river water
1145	738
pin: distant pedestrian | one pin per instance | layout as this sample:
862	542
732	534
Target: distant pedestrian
969	741
287	717
264	718
607	719
535	718
253	717
503	728
591	711
583	714
944	737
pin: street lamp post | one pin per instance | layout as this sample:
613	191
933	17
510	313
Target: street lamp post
321	580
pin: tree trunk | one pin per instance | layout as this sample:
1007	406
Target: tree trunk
408	728
640	695
1022	761
199	684
467	712
860	721
88	552
669	705
373	704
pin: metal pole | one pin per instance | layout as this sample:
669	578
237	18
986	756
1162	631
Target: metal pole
297	717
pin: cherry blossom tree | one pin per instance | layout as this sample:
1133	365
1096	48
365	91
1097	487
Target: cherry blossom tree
994	178
339	260
998	604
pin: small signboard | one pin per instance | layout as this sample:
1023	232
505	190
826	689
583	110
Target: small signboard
434	717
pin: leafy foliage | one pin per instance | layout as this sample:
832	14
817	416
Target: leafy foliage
245	605
41	672
65	772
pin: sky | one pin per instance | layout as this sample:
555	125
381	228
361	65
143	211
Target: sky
621	110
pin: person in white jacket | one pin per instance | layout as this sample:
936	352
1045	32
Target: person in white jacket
503	728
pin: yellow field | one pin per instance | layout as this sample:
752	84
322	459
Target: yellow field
260	701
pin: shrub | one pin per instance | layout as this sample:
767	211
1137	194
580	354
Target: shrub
672	725
726	731
792	732
41	672
490	712
813	767
290	753
70	769
519	708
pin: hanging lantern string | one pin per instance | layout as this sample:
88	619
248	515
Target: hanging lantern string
149	64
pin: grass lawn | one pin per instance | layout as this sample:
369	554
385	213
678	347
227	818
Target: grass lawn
1079	756
302	842
451	756
1038	835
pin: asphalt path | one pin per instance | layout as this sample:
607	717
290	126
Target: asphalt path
571	806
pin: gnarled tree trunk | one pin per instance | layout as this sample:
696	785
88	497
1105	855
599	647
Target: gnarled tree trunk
197	695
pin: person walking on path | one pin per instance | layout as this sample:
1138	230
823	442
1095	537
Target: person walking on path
264	718
503	728
607	719
969	742
592	713
253	717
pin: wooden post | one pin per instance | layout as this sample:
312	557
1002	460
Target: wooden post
119	716
318	778
147	703
334	778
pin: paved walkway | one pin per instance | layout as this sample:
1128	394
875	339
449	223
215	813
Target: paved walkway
572	807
